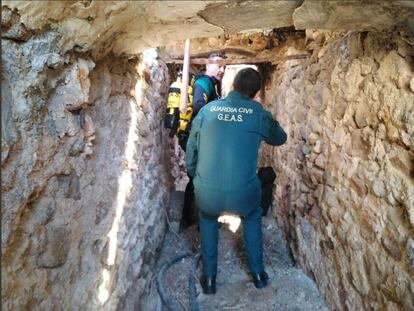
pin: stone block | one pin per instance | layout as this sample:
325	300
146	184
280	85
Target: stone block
375	265
337	162
313	73
312	138
363	116
339	107
358	185
353	80
392	248
320	161
317	175
335	212
75	92
358	272
393	134
328	178
88	127
378	188
312	157
360	144
56	247
367	63
379	151
318	193
315	212
310	199
318	146
70	185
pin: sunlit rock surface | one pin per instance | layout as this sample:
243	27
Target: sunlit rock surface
345	185
355	15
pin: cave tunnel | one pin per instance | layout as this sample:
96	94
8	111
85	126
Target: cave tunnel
92	184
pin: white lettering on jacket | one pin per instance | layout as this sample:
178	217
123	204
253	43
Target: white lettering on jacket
223	109
230	117
231	109
245	110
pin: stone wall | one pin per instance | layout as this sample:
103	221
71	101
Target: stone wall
84	176
345	185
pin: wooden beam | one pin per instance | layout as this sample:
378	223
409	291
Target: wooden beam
227	49
239	61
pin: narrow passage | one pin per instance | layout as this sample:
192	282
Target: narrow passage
289	288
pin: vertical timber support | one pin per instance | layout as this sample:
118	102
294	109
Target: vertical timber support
184	84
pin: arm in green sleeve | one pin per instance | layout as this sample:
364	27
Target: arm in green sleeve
273	133
191	153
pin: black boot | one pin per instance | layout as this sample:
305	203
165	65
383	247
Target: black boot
208	283
260	279
190	214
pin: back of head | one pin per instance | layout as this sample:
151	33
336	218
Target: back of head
248	82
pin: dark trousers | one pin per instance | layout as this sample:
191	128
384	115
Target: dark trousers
253	241
190	211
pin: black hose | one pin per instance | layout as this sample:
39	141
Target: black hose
194	306
164	297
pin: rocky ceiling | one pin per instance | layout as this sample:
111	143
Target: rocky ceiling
131	26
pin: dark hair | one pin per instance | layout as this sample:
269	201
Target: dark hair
248	82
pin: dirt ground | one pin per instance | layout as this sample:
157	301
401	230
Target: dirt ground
289	288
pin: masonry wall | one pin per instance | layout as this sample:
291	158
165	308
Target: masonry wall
84	178
345	185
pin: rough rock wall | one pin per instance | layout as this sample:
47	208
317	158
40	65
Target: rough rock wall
84	179
345	189
132	26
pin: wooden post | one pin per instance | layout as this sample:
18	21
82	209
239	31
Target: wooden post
184	84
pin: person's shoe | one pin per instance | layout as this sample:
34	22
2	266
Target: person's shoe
260	279
208	283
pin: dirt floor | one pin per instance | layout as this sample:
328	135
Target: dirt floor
289	288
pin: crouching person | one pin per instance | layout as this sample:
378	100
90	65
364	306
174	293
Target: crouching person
221	156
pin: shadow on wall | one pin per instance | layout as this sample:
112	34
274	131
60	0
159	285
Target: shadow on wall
83	179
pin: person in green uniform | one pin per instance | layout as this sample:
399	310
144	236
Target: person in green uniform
206	89
221	158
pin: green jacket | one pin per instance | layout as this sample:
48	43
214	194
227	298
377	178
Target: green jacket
222	153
